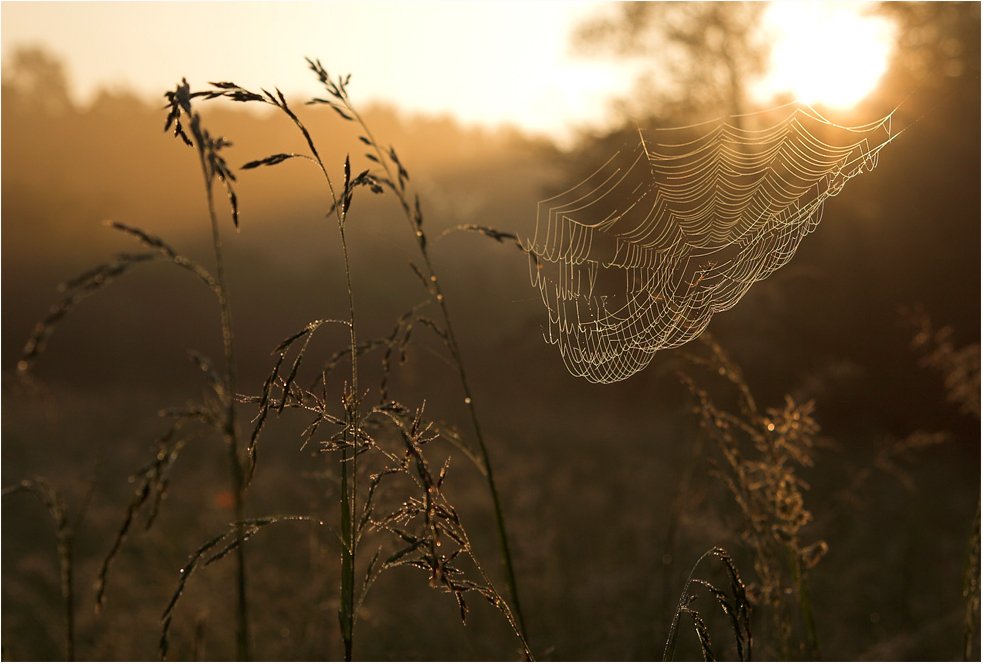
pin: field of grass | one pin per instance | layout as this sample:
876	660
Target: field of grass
802	482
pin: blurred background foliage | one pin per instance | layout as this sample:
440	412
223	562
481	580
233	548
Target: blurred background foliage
604	528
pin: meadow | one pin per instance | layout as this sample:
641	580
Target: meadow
810	465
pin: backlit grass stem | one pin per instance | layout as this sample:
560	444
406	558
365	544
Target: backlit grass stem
229	430
213	167
397	183
65	532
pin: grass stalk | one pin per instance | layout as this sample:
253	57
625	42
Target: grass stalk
802	597
413	214
65	533
229	430
763	451
735	605
349	530
349	463
971	587
213	166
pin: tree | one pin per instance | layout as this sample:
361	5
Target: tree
938	45
36	80
703	55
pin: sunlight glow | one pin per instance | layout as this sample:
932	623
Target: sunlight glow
830	53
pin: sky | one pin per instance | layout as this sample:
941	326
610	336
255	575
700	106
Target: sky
484	62
487	62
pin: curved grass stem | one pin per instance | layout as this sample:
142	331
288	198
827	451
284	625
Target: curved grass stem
414	216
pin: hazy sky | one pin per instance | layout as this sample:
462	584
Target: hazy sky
487	62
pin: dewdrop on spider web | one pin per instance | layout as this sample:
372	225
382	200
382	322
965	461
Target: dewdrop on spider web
678	225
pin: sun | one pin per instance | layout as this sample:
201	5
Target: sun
829	53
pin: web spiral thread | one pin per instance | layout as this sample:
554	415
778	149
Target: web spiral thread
638	257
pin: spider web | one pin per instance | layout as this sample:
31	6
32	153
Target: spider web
677	227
